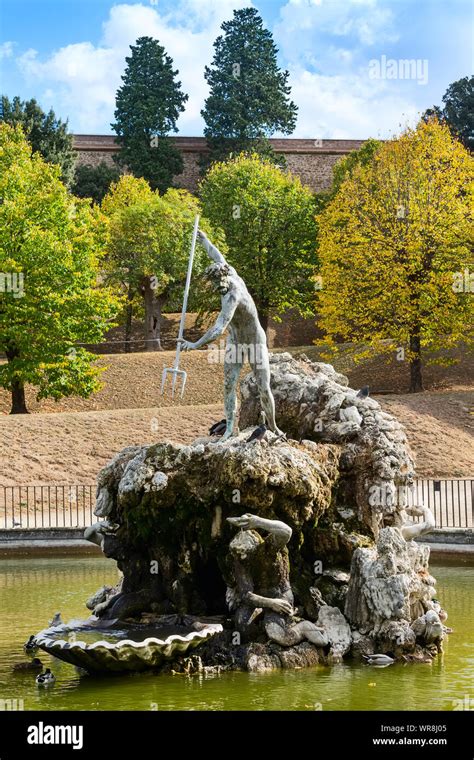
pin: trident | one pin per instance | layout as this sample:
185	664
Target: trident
175	370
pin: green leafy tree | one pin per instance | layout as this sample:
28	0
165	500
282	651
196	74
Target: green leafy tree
396	248
148	248
94	181
50	249
249	94
148	105
268	217
46	134
344	168
458	110
121	268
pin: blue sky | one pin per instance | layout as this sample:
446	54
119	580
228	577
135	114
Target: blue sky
69	55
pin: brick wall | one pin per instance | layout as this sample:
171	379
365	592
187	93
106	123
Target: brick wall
311	160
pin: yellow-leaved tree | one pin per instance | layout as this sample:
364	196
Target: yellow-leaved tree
148	237
396	250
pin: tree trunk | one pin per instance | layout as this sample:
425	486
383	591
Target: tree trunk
416	376
160	302
128	320
17	387
153	307
18	398
263	317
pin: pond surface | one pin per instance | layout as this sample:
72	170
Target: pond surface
32	590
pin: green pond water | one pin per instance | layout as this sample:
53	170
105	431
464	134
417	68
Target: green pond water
31	590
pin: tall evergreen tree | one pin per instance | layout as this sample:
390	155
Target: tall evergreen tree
249	94
148	105
458	111
46	134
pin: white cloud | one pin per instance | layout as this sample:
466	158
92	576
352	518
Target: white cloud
85	77
6	50
325	44
344	107
305	24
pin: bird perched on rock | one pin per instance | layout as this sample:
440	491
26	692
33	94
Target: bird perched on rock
259	432
378	659
30	646
46	678
218	428
56	620
35	664
364	392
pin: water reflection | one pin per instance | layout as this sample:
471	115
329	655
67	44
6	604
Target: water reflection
33	589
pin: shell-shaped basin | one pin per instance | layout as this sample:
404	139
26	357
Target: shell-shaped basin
124	654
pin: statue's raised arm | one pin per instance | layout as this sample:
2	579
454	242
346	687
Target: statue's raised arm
211	249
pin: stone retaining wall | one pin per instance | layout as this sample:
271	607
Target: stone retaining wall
311	160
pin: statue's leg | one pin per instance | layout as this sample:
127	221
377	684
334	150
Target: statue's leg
279	629
261	370
232	369
313	633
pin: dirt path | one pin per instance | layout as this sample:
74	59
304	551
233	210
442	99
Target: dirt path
134	380
440	428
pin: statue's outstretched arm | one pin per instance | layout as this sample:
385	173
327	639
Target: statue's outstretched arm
211	249
280	531
411	530
227	312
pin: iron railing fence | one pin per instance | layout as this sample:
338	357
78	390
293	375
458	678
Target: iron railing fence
451	501
47	506
72	506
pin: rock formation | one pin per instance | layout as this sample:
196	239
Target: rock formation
314	402
389	595
165	508
342	556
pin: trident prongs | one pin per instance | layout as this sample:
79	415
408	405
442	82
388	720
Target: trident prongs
174	371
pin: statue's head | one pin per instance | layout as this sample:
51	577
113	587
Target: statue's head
245	543
219	277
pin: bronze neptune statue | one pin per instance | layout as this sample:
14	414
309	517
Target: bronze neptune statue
245	337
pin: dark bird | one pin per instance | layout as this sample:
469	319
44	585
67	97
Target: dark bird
218	428
46	678
259	433
30	646
364	392
16	524
35	664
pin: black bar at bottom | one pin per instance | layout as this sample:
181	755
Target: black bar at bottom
124	734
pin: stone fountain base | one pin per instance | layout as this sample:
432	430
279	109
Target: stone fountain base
324	565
